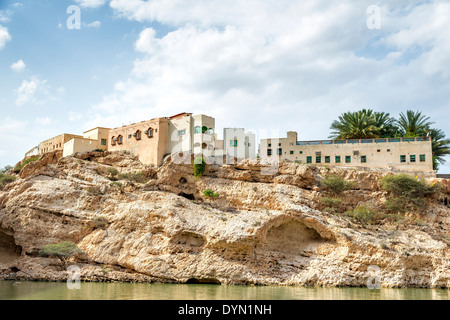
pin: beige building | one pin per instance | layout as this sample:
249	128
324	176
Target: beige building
94	139
147	139
56	143
403	154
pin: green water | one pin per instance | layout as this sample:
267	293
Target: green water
10	290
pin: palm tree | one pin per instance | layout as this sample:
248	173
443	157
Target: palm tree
414	124
363	124
439	146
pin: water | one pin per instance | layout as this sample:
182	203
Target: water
10	290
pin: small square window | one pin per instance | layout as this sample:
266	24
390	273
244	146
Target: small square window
422	158
337	159
234	143
291	152
309	159
402	158
181	132
269	152
300	152
378	150
279	144
348	159
103	142
269	145
363	159
318	159
388	150
279	151
327	159
412	158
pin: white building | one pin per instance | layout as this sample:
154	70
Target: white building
239	144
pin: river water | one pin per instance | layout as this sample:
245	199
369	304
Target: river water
10	290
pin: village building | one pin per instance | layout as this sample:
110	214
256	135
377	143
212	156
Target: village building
238	143
402	154
56	143
94	139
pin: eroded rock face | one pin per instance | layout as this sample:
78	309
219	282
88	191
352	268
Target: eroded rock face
262	229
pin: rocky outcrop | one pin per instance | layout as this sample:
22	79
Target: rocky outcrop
261	229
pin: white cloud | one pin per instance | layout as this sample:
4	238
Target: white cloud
91	3
288	65
95	24
74	116
18	66
4	36
35	91
5	16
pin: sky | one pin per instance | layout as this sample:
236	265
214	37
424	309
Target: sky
265	65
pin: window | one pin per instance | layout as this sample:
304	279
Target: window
327	159
300	152
269	152
337	159
204	129
402	158
138	135
318	159
197	130
309	159
234	143
279	151
182	132
279	144
113	141
378	150
150	132
291	152
348	159
412	158
103	142
363	159
120	139
269	145
388	150
422	158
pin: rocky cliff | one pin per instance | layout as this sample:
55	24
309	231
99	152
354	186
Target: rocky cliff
259	228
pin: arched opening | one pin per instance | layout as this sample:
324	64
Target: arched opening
197	129
113	141
149	132
120	139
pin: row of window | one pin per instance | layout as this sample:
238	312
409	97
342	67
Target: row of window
203	130
348	159
138	135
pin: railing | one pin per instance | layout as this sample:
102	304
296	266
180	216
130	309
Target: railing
355	141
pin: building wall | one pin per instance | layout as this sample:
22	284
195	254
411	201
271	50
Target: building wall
150	150
378	154
246	143
80	145
99	134
55	143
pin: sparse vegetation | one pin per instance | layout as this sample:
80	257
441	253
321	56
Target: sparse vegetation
406	192
210	194
199	167
94	190
330	202
336	184
363	215
138	177
20	166
112	171
116	185
6	168
5	179
63	251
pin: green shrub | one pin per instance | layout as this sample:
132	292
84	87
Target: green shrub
199	167
5	179
116	184
6	168
330	202
63	251
210	194
336	184
20	166
112	171
406	193
408	186
363	214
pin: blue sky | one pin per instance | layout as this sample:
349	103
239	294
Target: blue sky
263	65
